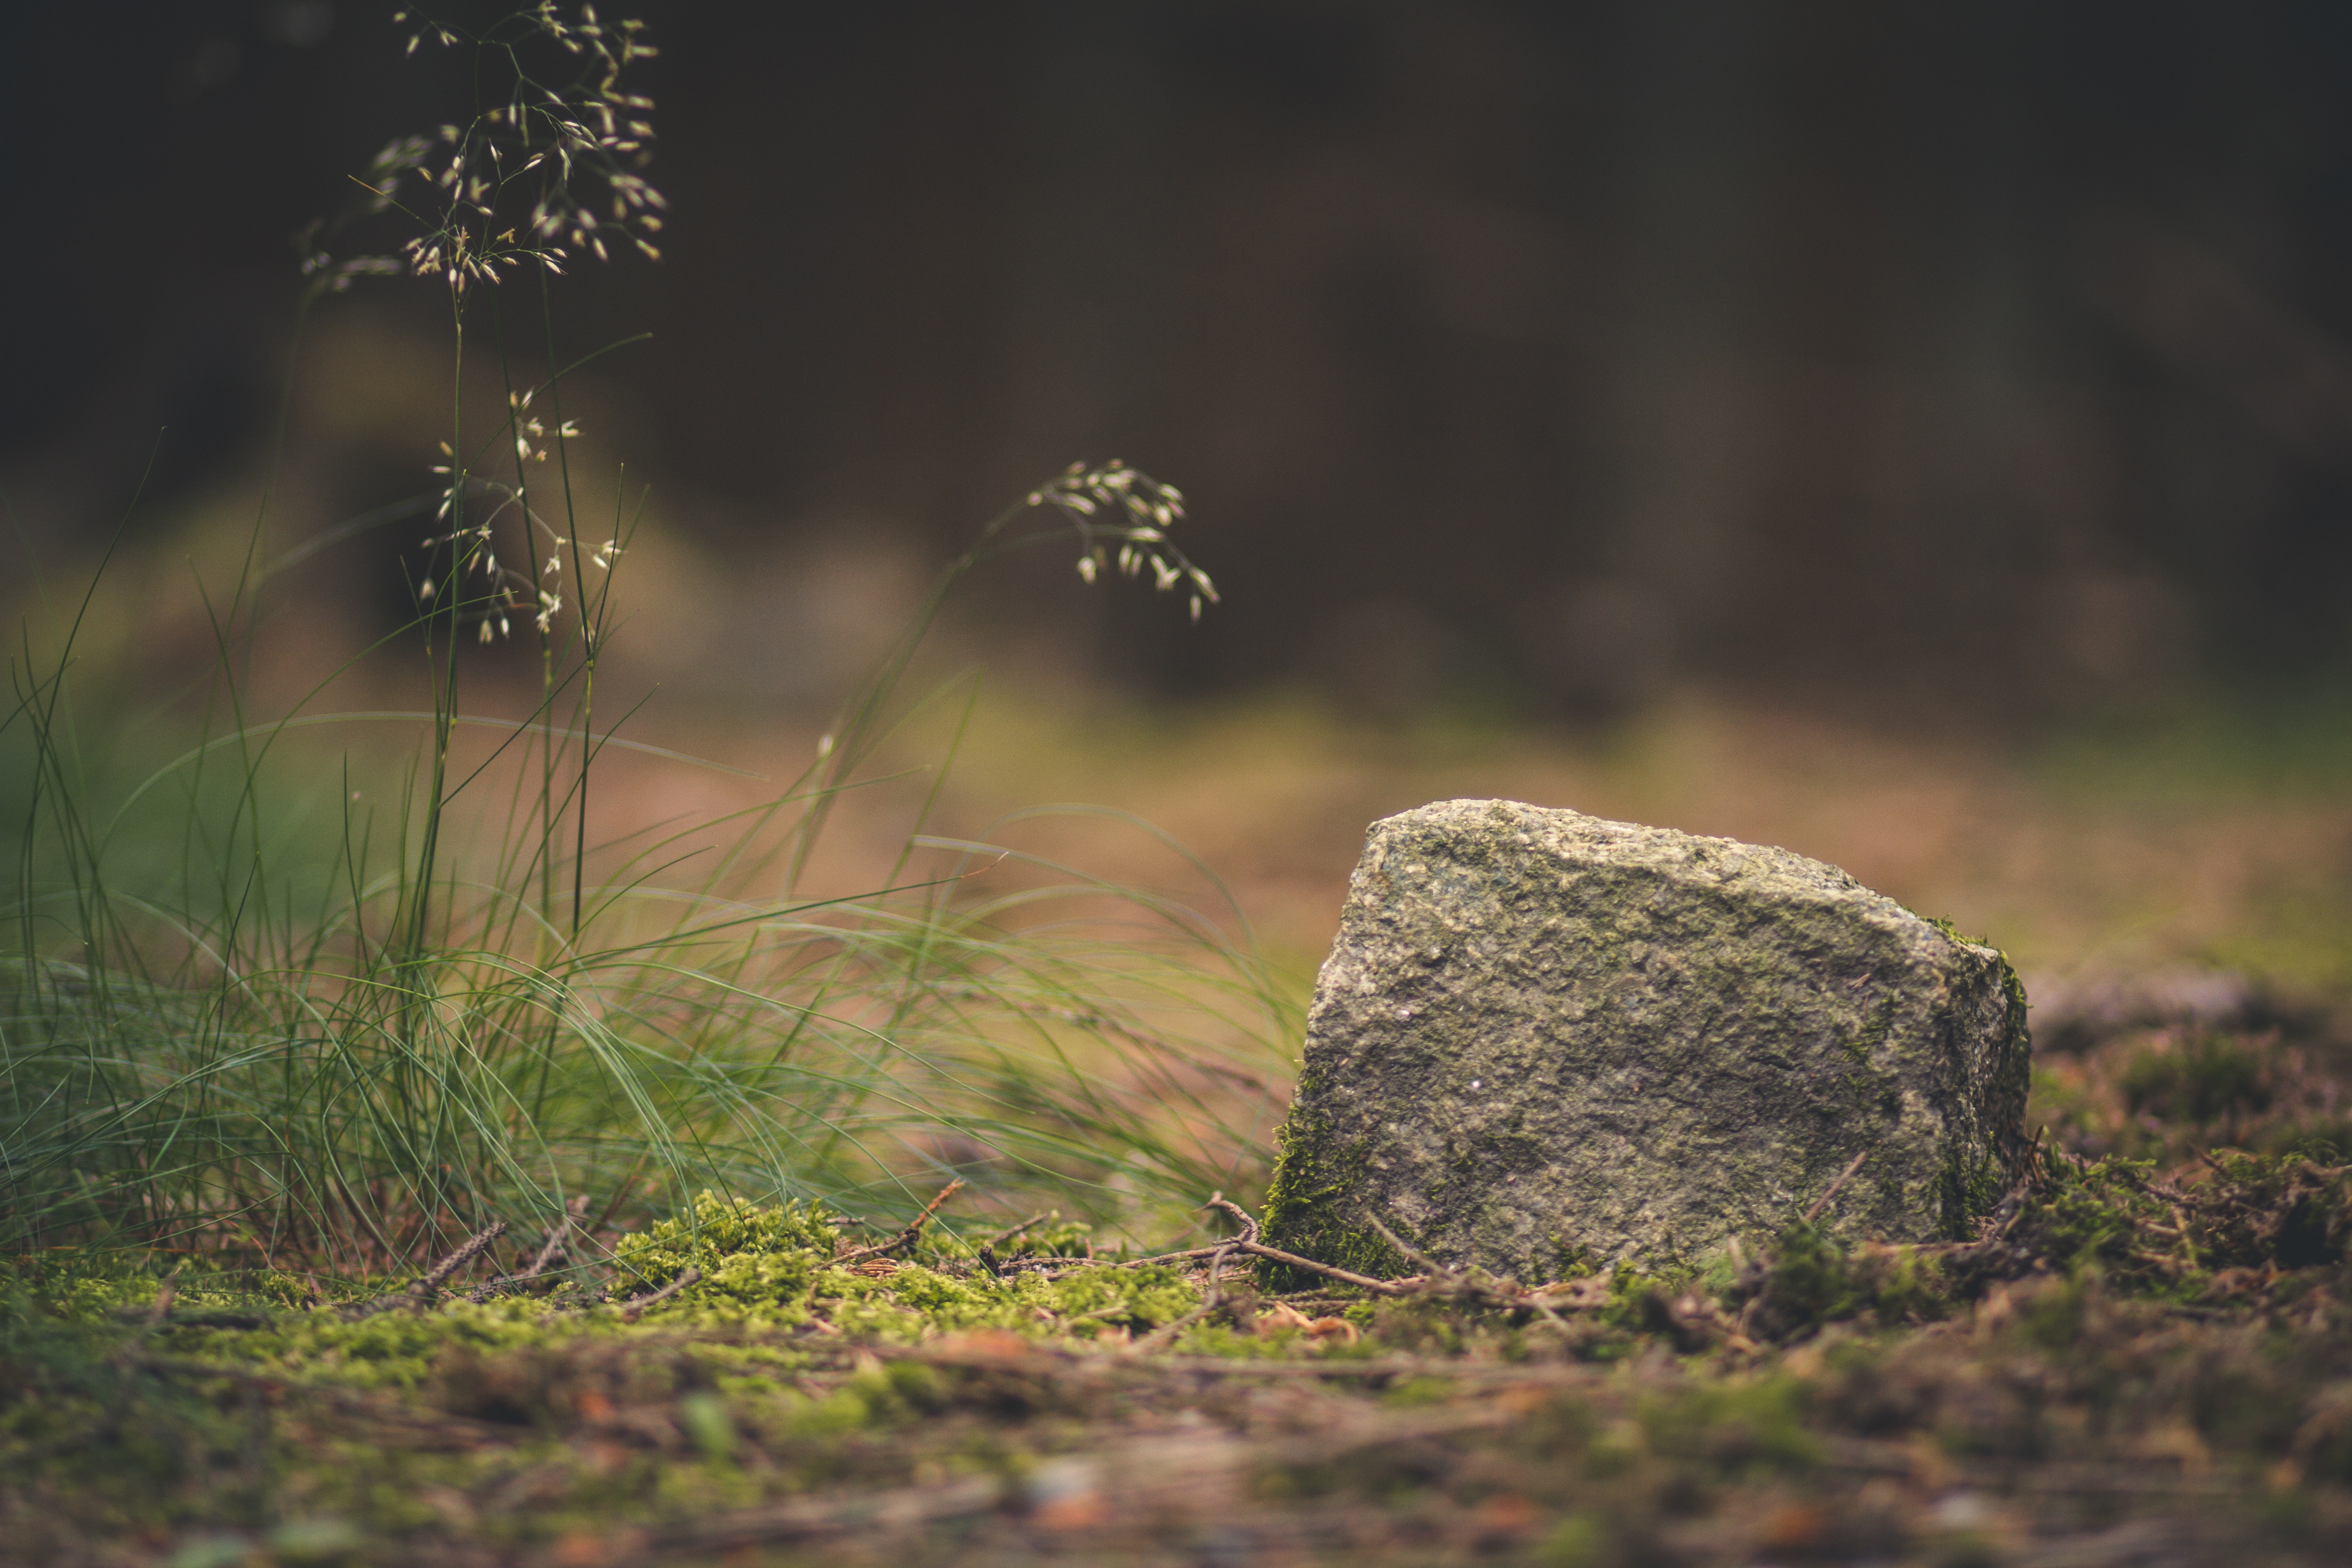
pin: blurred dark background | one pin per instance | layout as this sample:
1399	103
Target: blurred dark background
1989	357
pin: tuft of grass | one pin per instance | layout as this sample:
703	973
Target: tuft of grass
244	1007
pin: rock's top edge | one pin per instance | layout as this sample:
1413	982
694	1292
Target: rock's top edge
1578	837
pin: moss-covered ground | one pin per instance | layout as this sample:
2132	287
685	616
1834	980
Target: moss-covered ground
2145	1358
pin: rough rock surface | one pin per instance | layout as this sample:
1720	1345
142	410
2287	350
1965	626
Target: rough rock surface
1544	1038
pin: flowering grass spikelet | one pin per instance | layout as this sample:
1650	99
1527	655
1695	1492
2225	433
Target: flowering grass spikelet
551	152
1140	509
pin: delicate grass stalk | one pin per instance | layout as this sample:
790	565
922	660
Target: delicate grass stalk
230	1019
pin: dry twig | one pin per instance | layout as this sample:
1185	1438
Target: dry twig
1249	1225
1002	1236
906	1236
1364	1282
1818	1204
557	1237
1211	1298
1432	1270
425	1290
635	1305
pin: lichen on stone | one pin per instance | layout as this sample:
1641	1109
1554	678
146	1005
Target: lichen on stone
1539	1031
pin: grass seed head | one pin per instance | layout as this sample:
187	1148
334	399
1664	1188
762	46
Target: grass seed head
535	152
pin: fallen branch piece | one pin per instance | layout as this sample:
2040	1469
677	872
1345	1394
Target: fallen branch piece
1210	1299
1275	1255
1822	1202
1410	1253
906	1236
465	1253
635	1305
1187	1255
1249	1225
1002	1236
425	1290
556	1238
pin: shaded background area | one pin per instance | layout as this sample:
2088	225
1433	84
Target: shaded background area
1736	417
1546	356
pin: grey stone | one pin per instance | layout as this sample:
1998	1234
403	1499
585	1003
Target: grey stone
1543	1037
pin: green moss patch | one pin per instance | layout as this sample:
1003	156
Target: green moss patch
2169	1335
